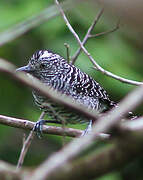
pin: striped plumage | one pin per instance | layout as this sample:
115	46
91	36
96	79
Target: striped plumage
53	70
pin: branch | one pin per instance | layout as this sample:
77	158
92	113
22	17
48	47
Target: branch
67	52
109	159
28	125
115	156
47	91
103	125
23	27
125	148
106	32
7	170
73	59
26	144
96	65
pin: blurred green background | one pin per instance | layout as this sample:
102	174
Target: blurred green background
118	52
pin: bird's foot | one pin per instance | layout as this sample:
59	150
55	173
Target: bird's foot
39	127
132	116
88	129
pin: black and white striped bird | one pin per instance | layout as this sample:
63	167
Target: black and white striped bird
54	71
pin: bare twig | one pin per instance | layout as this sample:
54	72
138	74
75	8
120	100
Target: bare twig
72	150
47	91
96	65
124	149
61	118
67	51
103	125
73	59
7	170
97	164
27	144
28	125
55	162
106	32
24	149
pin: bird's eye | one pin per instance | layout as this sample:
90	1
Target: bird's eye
42	66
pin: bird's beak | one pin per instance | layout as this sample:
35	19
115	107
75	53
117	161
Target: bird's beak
25	69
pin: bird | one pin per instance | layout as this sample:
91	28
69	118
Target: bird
54	71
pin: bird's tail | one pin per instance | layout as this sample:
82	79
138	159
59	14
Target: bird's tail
130	114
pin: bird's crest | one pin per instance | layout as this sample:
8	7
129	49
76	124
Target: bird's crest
44	55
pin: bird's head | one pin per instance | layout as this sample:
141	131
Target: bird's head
41	63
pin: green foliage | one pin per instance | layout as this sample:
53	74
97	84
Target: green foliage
14	11
113	52
111	176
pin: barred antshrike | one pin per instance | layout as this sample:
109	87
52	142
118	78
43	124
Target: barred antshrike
53	70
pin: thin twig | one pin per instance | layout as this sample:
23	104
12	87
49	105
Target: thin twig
106	32
47	91
27	144
104	124
127	149
73	149
96	65
28	125
24	149
67	51
73	59
62	119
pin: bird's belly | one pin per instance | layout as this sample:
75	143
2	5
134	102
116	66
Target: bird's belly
57	111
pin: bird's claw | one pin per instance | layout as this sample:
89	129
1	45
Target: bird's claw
39	127
88	129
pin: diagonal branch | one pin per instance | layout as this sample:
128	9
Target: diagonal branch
103	125
96	65
127	146
28	125
93	166
47	91
106	32
73	59
61	159
27	144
